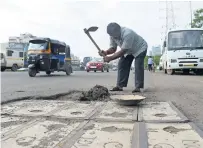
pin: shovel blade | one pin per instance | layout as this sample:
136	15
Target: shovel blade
92	29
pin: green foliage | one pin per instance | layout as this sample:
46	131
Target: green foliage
145	62
156	59
198	19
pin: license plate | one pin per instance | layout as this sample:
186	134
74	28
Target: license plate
93	66
189	65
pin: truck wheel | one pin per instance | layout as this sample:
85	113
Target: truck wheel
3	68
95	71
107	70
88	71
14	67
48	72
32	72
170	71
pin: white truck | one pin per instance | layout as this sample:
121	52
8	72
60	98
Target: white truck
183	51
11	59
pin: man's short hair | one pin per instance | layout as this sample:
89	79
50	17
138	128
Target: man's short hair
114	29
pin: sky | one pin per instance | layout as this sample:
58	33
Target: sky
65	20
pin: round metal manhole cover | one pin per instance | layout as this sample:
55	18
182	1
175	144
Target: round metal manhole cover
113	145
25	141
163	145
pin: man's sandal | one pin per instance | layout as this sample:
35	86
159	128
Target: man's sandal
116	89
136	90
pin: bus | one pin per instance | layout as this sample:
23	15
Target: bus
183	51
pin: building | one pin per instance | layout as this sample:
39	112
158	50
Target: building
19	43
156	50
149	52
23	38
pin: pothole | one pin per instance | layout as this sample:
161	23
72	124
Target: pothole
96	93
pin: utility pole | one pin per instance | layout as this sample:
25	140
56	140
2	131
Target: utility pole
166	18
191	14
169	18
173	16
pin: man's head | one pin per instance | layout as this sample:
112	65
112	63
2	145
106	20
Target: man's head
114	30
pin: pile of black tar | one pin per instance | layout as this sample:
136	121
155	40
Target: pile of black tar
98	92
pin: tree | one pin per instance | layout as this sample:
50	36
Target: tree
198	19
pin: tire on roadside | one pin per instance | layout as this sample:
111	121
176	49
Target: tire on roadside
3	69
68	71
32	72
48	72
14	67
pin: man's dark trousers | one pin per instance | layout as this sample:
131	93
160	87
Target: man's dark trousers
124	66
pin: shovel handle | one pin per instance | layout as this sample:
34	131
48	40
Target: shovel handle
90	37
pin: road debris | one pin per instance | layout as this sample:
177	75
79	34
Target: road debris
98	92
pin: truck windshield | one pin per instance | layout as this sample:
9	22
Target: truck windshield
38	45
187	39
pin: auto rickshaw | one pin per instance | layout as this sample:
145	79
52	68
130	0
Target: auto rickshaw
48	55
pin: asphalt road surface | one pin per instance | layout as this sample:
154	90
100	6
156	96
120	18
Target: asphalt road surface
186	91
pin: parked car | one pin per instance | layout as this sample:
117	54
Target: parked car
97	64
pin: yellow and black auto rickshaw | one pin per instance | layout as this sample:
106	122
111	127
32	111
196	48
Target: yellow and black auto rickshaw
48	55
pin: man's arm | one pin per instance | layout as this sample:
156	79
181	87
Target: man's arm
113	47
111	51
127	44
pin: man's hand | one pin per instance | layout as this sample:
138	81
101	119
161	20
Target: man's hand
107	59
102	53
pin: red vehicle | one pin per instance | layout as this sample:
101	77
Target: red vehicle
97	64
